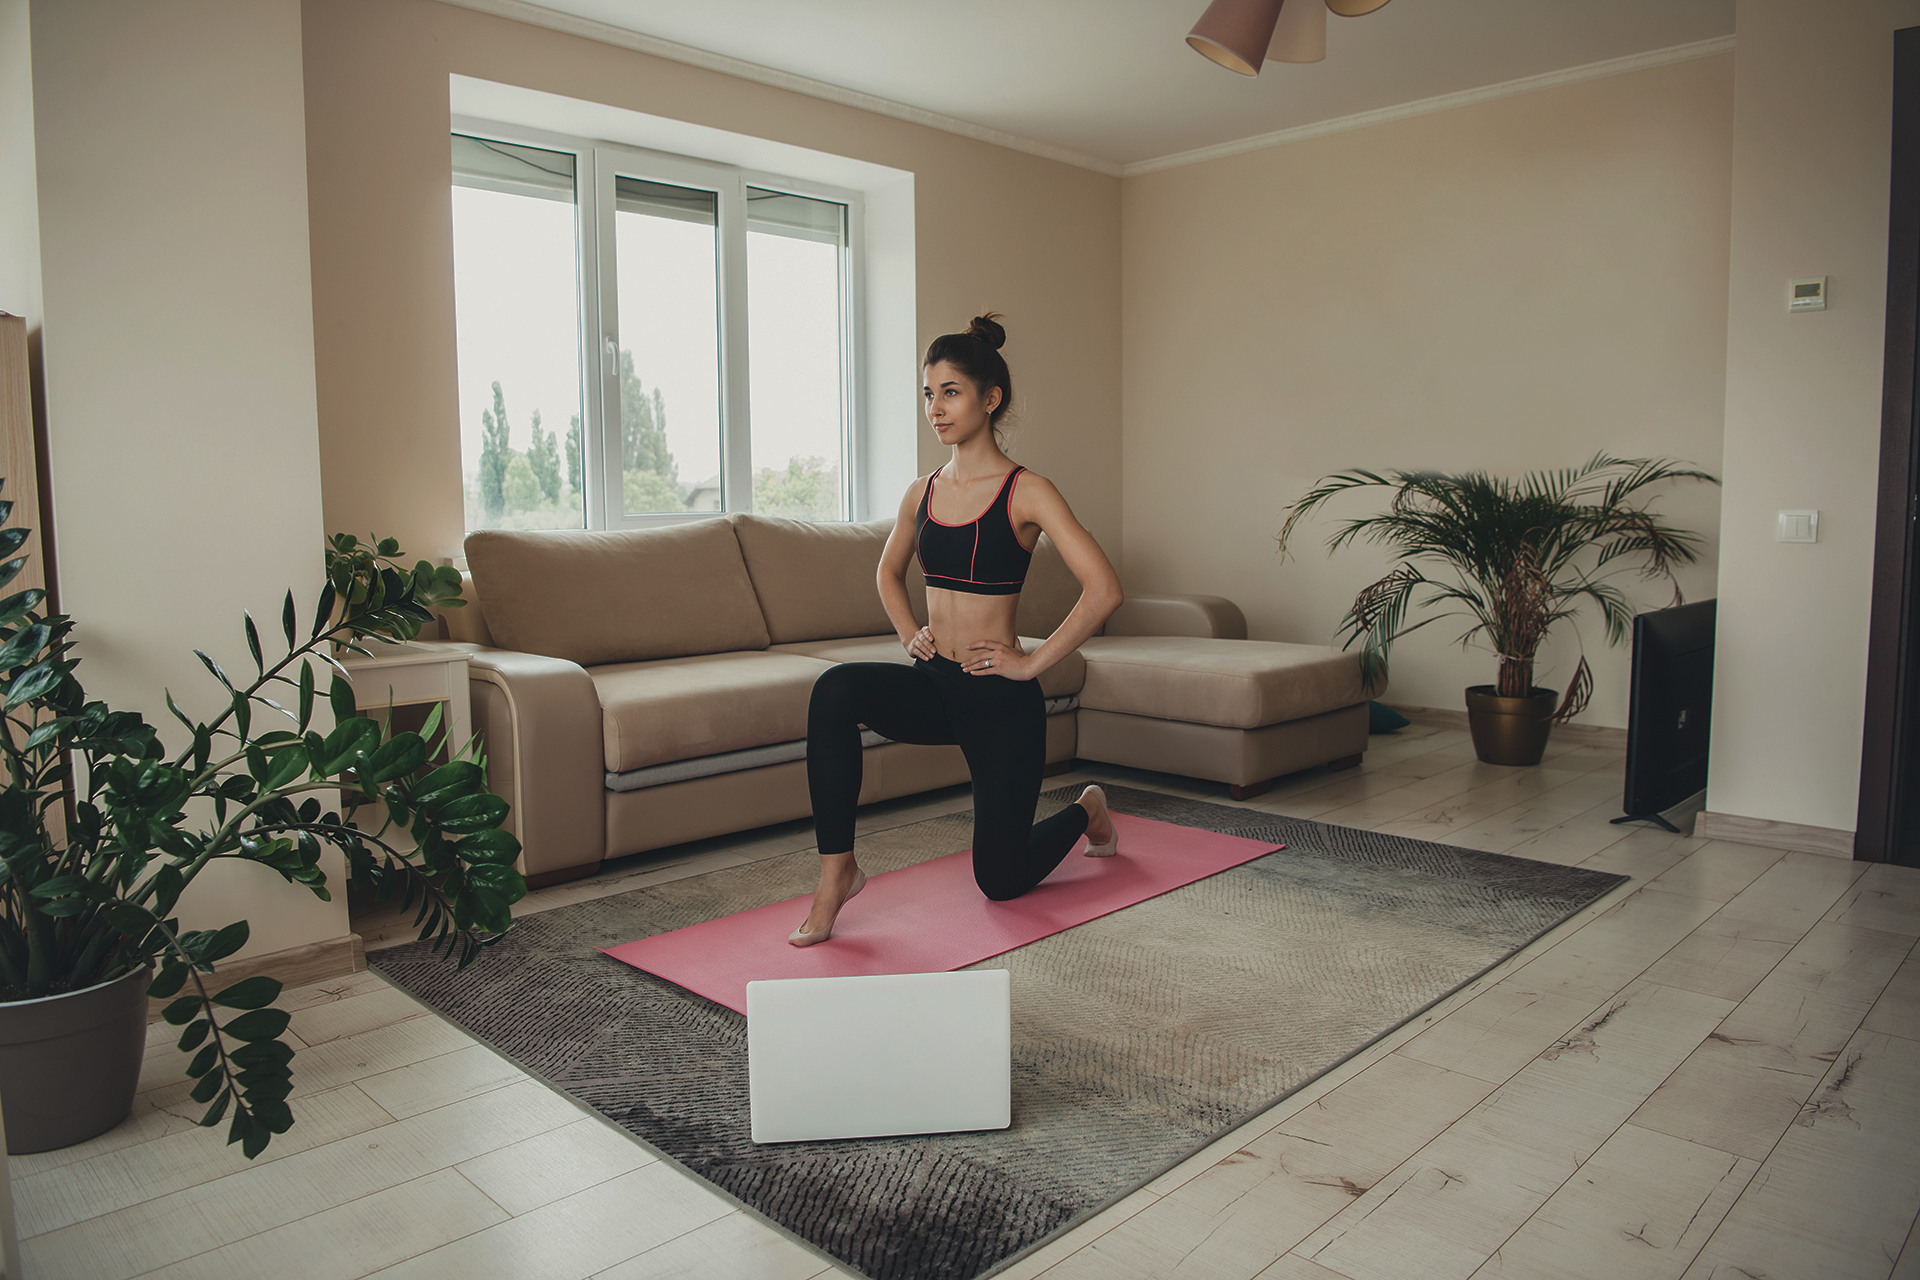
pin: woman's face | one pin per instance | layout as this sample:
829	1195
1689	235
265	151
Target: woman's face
955	408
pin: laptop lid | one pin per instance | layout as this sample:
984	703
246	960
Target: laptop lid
868	1057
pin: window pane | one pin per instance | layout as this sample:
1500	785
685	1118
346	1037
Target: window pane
517	321
666	250
794	337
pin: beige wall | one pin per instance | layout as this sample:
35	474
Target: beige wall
19	210
178	348
994	228
1508	286
1812	106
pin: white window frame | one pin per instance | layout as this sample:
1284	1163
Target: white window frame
596	167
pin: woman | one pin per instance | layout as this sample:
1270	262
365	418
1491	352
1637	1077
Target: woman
973	523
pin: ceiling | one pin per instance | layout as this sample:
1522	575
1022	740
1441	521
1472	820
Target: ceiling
1113	81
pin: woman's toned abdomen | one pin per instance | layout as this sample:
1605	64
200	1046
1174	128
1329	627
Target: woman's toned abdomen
958	619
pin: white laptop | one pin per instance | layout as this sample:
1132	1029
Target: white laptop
877	1056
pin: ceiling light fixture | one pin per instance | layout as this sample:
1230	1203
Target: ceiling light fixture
1242	34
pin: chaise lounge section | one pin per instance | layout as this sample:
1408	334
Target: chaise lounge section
638	689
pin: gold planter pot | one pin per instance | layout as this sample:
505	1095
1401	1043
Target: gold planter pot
1510	730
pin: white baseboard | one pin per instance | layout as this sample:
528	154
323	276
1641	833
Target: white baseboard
1769	834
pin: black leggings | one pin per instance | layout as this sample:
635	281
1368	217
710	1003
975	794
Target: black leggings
1000	724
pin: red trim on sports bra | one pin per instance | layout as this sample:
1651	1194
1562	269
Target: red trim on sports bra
983	511
1012	528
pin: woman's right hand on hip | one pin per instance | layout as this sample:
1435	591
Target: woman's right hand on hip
922	646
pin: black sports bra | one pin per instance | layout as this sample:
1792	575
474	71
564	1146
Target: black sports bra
983	557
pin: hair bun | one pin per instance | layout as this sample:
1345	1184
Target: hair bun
987	329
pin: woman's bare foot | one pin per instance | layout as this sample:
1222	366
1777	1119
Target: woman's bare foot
840	879
1102	841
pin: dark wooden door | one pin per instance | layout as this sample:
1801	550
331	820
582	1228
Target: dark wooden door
1888	827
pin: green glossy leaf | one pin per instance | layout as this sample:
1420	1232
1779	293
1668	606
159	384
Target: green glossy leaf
446	782
253	643
25	643
287	621
214	667
498	878
172	976
181	1011
228	940
34	683
194	1034
209	1085
262	1053
323	611
272	1114
203	1062
17	605
306	695
348	739
260	1024
249	993
340	694
255	1142
399	756
218	1109
492	845
472	813
288	763
263	1089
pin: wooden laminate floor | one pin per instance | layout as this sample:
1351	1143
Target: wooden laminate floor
1711	1074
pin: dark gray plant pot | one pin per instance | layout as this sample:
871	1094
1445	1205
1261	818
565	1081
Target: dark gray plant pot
70	1064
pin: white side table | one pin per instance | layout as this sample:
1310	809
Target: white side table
407	674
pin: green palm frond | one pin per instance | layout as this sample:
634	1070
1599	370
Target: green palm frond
1524	554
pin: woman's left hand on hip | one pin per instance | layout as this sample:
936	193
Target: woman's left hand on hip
991	658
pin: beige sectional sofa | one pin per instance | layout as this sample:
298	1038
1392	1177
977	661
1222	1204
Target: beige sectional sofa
638	689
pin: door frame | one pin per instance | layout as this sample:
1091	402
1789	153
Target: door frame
1891	737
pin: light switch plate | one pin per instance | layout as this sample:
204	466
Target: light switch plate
1798	526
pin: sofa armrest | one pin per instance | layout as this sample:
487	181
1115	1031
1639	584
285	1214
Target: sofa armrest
1178	615
540	720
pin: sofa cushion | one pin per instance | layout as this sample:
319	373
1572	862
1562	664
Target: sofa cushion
1050	592
1236	684
622	596
654	712
1063	679
815	580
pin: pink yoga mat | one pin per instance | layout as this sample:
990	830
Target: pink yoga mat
931	918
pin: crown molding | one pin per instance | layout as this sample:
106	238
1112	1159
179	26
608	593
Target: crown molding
1445	102
590	29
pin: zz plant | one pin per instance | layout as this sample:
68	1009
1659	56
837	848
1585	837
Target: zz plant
102	830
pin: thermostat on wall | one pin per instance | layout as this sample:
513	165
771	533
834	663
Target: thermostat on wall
1807	295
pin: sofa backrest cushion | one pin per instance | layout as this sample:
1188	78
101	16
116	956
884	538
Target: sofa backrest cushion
815	580
1050	593
625	596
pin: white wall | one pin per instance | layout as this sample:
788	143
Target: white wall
178	343
1811	141
1509	286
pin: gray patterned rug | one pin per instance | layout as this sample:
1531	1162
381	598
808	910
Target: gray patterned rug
1138	1037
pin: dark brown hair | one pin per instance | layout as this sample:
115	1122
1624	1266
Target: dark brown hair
976	354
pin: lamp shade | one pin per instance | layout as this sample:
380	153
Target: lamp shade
1236	33
1355	8
1301	33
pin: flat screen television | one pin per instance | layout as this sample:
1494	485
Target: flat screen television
1670	711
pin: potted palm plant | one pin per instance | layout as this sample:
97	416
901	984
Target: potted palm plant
1520	556
102	829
